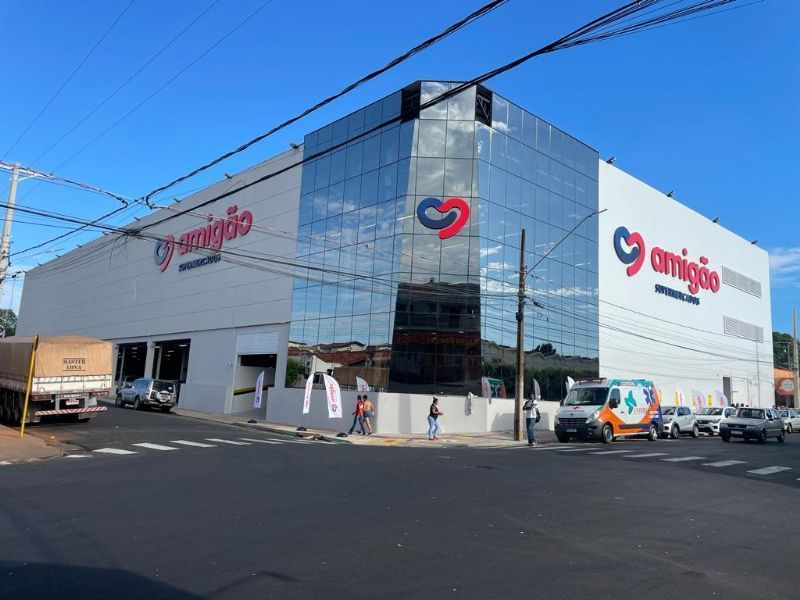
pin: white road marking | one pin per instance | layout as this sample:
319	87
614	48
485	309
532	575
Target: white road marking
725	463
4	462
231	442
612	452
114	451
260	441
648	455
194	444
559	447
155	446
77	456
574	449
769	470
683	458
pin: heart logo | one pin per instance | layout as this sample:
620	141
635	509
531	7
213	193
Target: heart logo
634	256
454	211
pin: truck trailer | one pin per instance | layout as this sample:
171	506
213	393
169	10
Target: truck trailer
70	373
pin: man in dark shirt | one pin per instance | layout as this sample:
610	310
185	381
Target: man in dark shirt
433	419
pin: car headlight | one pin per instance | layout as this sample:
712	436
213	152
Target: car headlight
715	420
593	416
555	421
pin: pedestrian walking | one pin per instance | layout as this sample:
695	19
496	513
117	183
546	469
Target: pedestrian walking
532	416
358	416
433	419
369	412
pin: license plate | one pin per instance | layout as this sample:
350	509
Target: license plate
736	432
572	431
72	402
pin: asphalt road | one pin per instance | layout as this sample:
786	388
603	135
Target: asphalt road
288	520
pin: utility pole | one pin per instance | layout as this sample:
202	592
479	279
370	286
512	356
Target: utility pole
796	365
520	387
5	240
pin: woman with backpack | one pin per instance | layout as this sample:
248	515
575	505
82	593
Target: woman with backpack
532	416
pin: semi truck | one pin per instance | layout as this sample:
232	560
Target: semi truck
70	374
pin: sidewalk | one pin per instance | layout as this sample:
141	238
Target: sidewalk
13	449
472	440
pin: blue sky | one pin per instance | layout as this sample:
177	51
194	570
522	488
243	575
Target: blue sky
707	108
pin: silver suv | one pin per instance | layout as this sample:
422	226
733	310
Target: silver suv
753	423
678	420
148	393
710	418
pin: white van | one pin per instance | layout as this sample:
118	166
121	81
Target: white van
600	408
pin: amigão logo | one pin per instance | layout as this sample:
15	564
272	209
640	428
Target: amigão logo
209	237
633	257
448	221
696	274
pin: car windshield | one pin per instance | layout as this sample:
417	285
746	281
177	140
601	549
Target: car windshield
784	413
750	413
668	410
590	396
163	386
710	411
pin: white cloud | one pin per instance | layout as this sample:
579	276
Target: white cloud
784	267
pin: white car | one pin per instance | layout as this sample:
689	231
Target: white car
791	419
710	418
679	420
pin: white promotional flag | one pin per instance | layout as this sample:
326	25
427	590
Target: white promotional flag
259	390
362	385
570	383
307	397
334	396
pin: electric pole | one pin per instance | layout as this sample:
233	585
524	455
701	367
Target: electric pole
795	361
520	387
5	240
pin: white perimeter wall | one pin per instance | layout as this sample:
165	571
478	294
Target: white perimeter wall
691	350
394	413
113	289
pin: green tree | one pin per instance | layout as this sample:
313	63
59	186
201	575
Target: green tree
294	371
8	322
782	349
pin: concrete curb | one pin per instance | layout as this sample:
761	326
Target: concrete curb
294	433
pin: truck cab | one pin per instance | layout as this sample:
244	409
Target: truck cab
604	409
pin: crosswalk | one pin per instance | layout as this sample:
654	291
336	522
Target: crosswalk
173	445
673	457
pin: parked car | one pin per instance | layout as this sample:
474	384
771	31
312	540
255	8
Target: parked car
710	418
121	383
679	420
148	393
791	419
753	423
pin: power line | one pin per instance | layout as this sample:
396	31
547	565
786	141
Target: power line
119	88
611	17
474	16
165	84
68	79
71	182
561	43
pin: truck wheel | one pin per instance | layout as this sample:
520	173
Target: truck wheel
695	432
674	433
652	432
607	433
137	405
762	436
563	438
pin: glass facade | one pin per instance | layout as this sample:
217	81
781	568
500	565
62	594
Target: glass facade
381	296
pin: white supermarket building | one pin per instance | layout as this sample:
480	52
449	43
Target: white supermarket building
386	247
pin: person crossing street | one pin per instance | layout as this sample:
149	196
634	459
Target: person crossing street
532	416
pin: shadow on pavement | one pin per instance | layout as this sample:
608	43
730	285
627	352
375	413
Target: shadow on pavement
37	580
